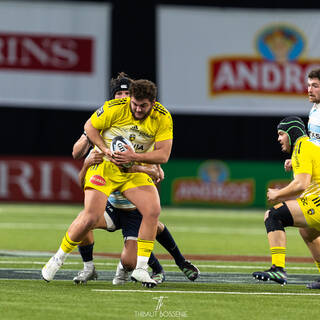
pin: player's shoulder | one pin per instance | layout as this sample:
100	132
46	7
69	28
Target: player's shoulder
309	145
112	106
116	103
159	109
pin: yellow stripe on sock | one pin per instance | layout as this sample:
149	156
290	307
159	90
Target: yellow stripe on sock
67	245
278	256
318	265
145	247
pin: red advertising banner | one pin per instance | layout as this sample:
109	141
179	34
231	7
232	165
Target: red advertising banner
44	52
40	179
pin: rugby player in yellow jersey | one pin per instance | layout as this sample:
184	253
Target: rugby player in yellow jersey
304	210
148	125
126	217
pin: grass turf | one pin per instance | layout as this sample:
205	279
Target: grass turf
197	231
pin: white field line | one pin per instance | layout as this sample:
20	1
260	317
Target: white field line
210	266
213	292
201	230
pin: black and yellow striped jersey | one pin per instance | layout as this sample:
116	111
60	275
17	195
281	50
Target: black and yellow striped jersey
114	118
306	159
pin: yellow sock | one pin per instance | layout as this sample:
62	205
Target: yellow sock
317	264
67	245
278	256
145	247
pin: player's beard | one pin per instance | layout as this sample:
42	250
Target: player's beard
144	117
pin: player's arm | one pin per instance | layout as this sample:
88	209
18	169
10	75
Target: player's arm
94	157
150	169
159	155
288	165
81	147
300	182
96	139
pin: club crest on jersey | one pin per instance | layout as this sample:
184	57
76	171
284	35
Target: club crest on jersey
132	137
97	180
311	211
100	111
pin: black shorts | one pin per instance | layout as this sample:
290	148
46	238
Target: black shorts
127	220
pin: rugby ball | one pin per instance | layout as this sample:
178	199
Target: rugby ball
118	144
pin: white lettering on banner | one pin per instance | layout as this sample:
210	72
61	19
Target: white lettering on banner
229	192
45	180
247	76
225	77
22	179
293	75
64	57
39	180
4	177
258	76
271	77
68	172
46	52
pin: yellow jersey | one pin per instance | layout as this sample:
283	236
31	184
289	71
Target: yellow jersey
114	118
306	159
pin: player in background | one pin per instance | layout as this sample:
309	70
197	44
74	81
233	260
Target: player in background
149	124
304	211
310	236
119	88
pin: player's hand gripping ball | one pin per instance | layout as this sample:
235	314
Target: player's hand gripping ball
118	144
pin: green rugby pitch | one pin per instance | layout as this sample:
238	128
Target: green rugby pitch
29	234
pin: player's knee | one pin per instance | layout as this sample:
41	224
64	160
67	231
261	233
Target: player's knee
276	219
129	263
90	220
155	212
160	227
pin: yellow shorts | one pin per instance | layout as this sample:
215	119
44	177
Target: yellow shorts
107	178
310	207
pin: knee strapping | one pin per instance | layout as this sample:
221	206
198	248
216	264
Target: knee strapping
278	219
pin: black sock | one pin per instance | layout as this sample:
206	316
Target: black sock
154	264
86	252
166	240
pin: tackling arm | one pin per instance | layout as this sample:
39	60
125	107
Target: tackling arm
81	147
94	157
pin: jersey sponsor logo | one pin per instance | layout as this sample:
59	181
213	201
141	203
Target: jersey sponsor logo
314	135
46	52
97	180
139	132
138	146
100	111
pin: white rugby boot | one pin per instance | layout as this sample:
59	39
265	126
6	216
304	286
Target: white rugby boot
142	275
121	276
50	269
86	274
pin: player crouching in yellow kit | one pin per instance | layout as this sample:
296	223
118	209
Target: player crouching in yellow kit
304	211
148	125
